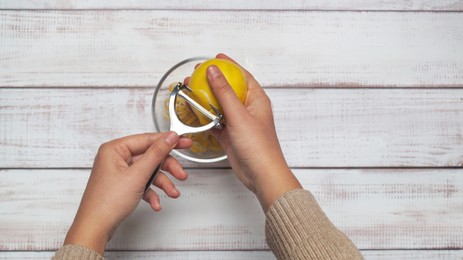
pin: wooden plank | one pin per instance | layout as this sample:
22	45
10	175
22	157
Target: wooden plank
199	255
378	209
297	48
59	128
413	254
158	255
415	5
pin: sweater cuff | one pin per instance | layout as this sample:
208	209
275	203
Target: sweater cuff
76	252
297	228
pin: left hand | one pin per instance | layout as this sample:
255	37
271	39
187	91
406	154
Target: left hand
116	185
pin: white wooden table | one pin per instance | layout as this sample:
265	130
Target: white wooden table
367	95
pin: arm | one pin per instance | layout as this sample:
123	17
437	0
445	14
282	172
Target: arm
249	138
296	227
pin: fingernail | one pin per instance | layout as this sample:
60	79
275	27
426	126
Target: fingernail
213	72
171	138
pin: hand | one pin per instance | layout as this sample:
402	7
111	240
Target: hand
250	140
116	185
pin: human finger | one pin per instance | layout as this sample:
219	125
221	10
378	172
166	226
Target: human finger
175	169
183	143
155	153
186	80
134	144
252	82
153	200
232	106
164	183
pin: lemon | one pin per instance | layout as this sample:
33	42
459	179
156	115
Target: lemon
202	92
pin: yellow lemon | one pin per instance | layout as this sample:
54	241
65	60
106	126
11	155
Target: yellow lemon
202	92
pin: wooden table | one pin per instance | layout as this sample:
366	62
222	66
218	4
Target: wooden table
367	96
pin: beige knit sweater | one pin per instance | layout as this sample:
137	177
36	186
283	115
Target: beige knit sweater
296	228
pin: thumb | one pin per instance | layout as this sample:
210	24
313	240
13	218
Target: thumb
155	154
231	105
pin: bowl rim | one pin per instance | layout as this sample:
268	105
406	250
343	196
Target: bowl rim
153	114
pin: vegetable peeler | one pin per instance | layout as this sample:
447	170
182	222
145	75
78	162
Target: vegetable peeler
179	127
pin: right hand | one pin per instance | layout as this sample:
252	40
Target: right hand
117	182
250	140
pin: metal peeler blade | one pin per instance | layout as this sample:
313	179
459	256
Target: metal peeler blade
179	127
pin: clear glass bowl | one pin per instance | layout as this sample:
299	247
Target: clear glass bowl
177	74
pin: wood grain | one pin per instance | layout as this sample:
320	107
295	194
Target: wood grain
297	48
233	255
414	5
367	97
378	209
414	254
58	128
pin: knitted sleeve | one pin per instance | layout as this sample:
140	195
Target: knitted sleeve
297	228
71	252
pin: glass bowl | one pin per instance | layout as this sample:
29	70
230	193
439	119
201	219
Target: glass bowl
161	122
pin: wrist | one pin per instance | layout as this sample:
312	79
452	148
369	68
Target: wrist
87	235
273	183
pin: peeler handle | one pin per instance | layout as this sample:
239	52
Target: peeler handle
153	176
